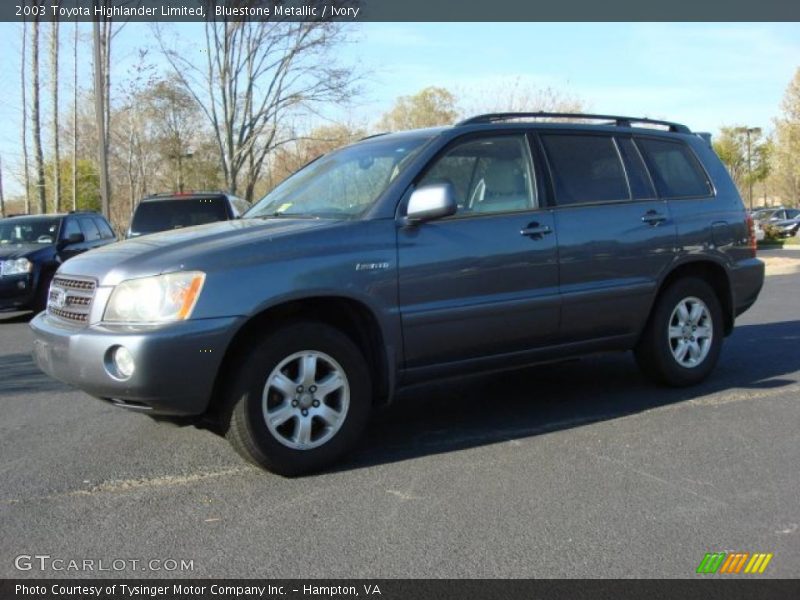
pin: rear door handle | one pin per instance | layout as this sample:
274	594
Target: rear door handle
653	217
534	230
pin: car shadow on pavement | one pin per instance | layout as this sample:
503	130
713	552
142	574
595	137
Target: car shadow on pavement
481	410
16	317
20	375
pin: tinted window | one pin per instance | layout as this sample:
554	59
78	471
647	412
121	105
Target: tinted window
488	175
639	180
105	229
70	228
90	230
161	215
674	168
792	214
585	168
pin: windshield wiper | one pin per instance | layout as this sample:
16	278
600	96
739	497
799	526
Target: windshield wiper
283	215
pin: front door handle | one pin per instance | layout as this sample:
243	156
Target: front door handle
534	230
653	217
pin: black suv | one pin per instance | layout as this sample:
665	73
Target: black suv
499	242
176	210
33	247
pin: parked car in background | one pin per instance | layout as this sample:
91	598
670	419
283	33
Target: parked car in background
176	210
492	244
787	223
33	247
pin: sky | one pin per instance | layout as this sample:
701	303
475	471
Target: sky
706	75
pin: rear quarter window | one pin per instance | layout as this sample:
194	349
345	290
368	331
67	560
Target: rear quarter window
675	170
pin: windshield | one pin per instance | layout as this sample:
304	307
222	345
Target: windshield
341	184
34	230
160	215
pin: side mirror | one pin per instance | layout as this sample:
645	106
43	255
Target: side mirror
431	202
73	238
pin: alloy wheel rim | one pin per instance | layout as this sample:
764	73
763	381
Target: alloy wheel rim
305	400
690	332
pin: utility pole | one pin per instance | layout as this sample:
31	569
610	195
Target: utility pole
99	108
75	121
2	199
748	131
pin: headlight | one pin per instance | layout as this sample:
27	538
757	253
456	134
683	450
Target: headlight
158	299
17	266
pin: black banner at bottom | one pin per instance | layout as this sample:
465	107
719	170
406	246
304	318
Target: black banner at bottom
710	588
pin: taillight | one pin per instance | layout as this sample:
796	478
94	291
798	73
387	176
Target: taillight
752	243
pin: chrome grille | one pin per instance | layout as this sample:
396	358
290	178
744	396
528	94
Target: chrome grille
70	299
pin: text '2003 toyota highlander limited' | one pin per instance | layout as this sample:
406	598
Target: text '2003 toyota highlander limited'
499	242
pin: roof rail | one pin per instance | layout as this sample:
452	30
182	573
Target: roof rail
616	120
184	193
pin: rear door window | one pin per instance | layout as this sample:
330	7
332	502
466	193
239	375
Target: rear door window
175	213
675	170
585	169
90	230
105	230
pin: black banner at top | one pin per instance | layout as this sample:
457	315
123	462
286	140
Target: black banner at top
400	10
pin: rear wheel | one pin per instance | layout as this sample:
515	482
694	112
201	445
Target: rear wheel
682	341
300	400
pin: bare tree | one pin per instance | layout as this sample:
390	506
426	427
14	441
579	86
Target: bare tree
35	117
24	86
518	95
2	198
54	92
255	77
75	120
175	117
102	41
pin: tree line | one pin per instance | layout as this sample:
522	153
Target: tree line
230	111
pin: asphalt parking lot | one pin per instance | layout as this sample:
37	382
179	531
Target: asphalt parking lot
581	469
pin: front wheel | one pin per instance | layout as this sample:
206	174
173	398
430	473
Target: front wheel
683	338
301	399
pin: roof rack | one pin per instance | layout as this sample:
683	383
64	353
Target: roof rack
614	119
185	193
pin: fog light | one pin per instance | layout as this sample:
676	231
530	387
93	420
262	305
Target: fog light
123	362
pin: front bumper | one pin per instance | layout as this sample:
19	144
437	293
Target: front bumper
16	292
747	279
176	365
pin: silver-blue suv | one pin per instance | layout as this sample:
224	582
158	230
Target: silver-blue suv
505	240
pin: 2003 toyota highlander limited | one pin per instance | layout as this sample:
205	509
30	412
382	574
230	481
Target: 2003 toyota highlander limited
505	240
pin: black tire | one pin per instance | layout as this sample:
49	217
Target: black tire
654	352
247	429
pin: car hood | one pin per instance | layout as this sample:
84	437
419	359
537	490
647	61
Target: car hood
183	249
9	251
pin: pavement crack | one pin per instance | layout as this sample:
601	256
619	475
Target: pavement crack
127	485
658	479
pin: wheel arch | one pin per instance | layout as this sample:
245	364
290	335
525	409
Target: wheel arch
712	272
351	316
